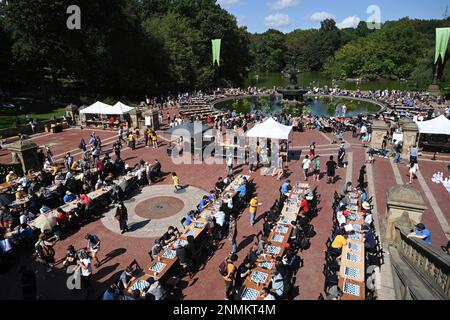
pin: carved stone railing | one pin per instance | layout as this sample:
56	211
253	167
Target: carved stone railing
432	265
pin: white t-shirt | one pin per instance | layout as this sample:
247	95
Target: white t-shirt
368	219
220	218
306	164
88	271
363	129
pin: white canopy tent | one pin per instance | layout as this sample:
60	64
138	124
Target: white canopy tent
439	125
270	129
105	109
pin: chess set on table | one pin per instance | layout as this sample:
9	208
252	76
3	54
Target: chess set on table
354	201
353	217
356	227
259	277
158	267
199	225
291	210
352	272
180	242
140	285
249	294
282	229
273	250
190	232
266	265
170	254
352	289
354	246
292	203
278	238
352	257
284	219
354	236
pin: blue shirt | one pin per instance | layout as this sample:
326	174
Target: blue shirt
69	198
188	221
363	197
425	233
284	188
202	204
242	190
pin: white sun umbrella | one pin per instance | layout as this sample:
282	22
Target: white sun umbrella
45	222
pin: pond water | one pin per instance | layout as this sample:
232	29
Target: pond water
311	79
319	106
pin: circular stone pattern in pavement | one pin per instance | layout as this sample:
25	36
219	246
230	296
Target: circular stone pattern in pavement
154	209
159	208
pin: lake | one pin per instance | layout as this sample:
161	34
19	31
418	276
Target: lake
318	79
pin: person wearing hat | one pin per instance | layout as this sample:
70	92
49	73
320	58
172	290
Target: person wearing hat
69	197
421	233
11	176
366	205
253	207
20	193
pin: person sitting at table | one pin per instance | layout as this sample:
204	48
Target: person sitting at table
252	255
212	196
266	295
11	176
155	250
227	181
184	256
268	226
125	279
277	284
47	165
243	271
20	193
189	218
99	184
304	204
219	187
112	293
61	218
421	233
285	188
24	233
227	204
60	177
347	188
369	238
69	197
203	203
243	189
169	236
338	243
155	291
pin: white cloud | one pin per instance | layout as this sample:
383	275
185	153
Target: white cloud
228	2
320	16
349	22
241	20
283	4
277	20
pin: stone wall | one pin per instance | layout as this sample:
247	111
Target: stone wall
26	128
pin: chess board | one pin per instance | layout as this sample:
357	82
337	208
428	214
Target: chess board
273	250
352	257
292	203
266	265
352	289
356	227
354	236
354	246
180	242
354	201
158	267
93	195
278	238
294	196
291	210
283	229
199	225
284	219
352	272
249	294
190	232
259	277
140	285
170	254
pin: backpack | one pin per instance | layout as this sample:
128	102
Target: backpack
223	268
304	244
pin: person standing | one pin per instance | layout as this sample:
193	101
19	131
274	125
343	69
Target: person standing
361	178
85	265
229	276
122	216
413	169
253	207
341	156
413	154
230	165
306	164
331	170
316	167
176	182
93	244
232	233
154	138
312	150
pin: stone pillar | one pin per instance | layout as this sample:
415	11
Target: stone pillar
71	112
405	207
410	131
379	129
154	118
82	117
135	116
25	152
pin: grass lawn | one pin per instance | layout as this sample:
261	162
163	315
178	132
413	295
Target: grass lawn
8	120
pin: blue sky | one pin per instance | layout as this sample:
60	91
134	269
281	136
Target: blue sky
287	15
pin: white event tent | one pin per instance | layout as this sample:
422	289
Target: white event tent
105	109
270	129
439	125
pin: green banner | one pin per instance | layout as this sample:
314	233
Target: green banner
442	37
216	51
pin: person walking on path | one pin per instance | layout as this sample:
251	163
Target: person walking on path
122	216
413	169
306	164
93	245
229	276
253	207
341	156
230	165
232	233
331	170
316	167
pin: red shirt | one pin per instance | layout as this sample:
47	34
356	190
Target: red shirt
304	204
61	217
85	199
